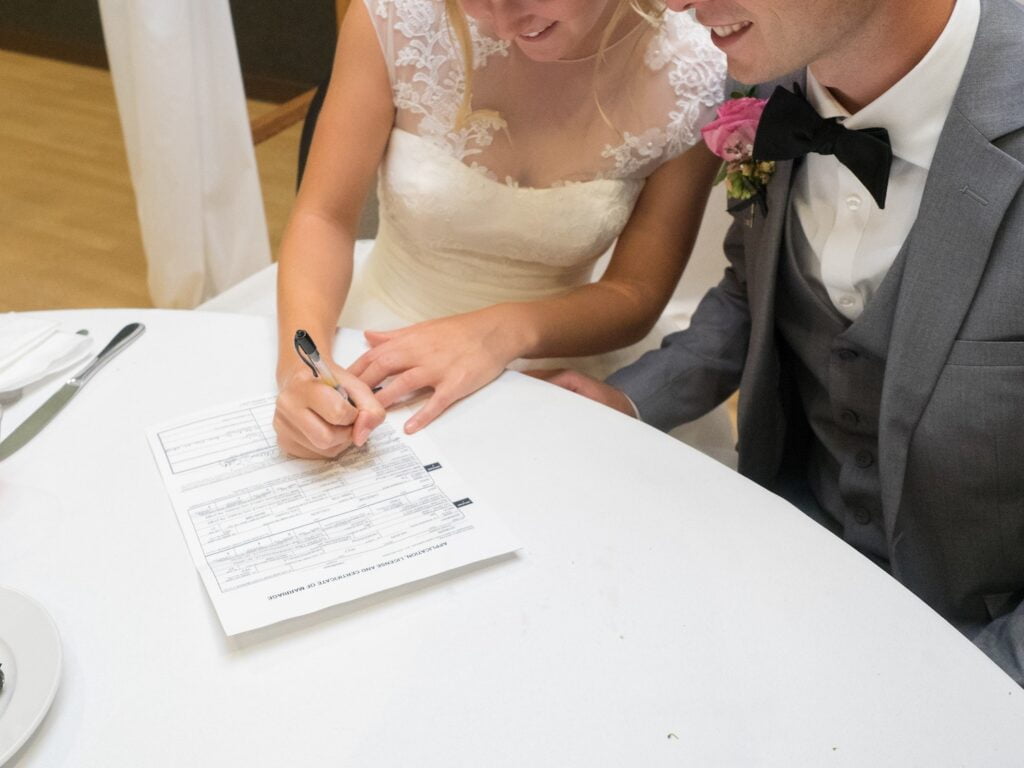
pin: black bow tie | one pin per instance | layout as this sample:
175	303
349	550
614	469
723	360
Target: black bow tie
791	128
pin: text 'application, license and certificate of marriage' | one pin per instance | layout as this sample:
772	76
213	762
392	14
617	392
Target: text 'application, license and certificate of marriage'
275	537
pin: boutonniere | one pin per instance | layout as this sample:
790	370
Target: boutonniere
731	137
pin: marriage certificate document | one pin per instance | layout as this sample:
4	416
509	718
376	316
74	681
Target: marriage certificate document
275	537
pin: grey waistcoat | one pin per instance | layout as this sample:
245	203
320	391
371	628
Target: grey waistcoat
839	367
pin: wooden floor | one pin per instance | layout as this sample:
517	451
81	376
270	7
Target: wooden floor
70	237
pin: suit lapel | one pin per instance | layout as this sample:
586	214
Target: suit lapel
764	241
762	423
970	185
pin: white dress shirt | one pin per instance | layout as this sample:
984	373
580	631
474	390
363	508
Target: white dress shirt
853	243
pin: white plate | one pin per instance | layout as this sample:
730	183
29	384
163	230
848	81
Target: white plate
30	652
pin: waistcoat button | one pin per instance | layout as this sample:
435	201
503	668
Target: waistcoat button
849	418
862	515
864	459
848	354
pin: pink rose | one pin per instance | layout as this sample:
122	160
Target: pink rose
731	134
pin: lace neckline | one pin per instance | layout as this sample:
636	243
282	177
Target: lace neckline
680	76
476	171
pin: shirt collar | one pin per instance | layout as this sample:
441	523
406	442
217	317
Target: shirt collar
914	110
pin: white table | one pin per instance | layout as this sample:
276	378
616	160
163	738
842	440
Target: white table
662	612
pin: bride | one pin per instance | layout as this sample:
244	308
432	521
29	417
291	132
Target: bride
516	141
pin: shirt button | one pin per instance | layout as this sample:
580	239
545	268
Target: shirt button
853	202
849	418
846	300
862	515
846	355
864	459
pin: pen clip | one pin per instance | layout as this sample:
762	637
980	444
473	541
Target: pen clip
307	351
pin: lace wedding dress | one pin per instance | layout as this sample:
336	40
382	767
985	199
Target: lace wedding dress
521	203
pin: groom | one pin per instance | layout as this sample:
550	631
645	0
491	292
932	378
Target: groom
879	351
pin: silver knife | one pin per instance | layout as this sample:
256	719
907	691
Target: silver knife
34	424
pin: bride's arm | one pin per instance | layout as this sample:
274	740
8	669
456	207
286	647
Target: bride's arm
457	355
315	262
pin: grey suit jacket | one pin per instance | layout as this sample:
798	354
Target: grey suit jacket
951	433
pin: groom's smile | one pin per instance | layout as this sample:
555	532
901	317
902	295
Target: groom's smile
729	29
725	35
729	26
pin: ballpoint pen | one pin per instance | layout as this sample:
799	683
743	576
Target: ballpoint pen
310	356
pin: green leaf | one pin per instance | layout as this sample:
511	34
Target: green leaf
720	176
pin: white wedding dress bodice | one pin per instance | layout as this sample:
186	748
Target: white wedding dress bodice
452	240
521	202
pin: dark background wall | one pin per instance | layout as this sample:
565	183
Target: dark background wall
285	46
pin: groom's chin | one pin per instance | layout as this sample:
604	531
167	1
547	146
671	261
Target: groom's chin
742	72
752	71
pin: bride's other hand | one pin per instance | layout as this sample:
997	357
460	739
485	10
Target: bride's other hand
455	356
590	388
314	421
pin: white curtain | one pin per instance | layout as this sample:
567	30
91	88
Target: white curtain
179	93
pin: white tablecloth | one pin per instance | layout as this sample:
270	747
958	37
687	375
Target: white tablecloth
663	610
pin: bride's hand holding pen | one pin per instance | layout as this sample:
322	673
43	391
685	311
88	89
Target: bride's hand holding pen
322	409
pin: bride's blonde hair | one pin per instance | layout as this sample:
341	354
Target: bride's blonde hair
650	10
